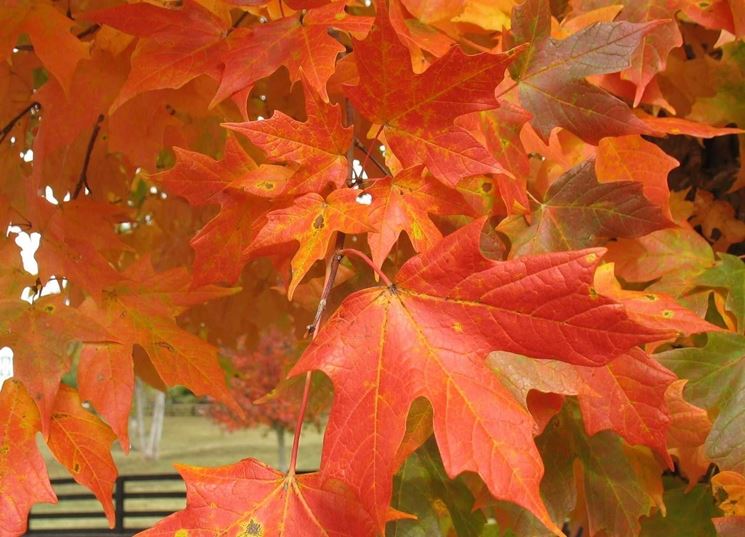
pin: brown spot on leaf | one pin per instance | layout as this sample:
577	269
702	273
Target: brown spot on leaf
165	345
318	222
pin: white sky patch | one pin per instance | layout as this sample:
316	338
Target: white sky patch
358	170
6	364
49	195
28	245
365	198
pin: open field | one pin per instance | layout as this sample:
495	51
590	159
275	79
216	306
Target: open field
186	440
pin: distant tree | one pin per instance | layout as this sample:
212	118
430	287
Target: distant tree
256	373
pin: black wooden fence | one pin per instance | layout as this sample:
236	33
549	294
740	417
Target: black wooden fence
69	518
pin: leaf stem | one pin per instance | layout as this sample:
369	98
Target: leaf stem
332	268
83	180
12	123
299	425
363	257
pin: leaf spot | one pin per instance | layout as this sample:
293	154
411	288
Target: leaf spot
253	528
318	222
668	314
165	345
651	298
458	327
76	468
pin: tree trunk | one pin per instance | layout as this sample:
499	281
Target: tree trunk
156	426
140	414
281	451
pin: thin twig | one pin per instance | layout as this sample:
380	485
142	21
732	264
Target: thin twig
83	180
382	167
85	33
12	123
238	22
368	151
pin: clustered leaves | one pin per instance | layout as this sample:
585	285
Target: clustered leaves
513	233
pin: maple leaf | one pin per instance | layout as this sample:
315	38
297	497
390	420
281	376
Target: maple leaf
68	250
300	42
312	222
319	145
174	47
499	131
715	373
689	427
631	158
106	378
40	334
49	30
139	312
233	182
403	203
651	309
608	492
442	505
417	112
626	395
449	308
733	484
651	56
661	254
81	442
578	211
729	274
550	76
729	526
23	478
677	125
199	179
687	512
249	498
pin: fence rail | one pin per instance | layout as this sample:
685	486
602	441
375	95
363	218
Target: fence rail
139	501
67	517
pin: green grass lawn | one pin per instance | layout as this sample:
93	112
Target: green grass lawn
186	440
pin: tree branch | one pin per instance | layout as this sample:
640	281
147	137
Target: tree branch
237	22
85	33
83	180
369	156
12	123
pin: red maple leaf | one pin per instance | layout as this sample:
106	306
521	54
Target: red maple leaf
428	335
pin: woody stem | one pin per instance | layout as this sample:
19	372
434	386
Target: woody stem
9	127
83	179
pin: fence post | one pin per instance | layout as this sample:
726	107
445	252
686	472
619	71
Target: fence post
119	504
